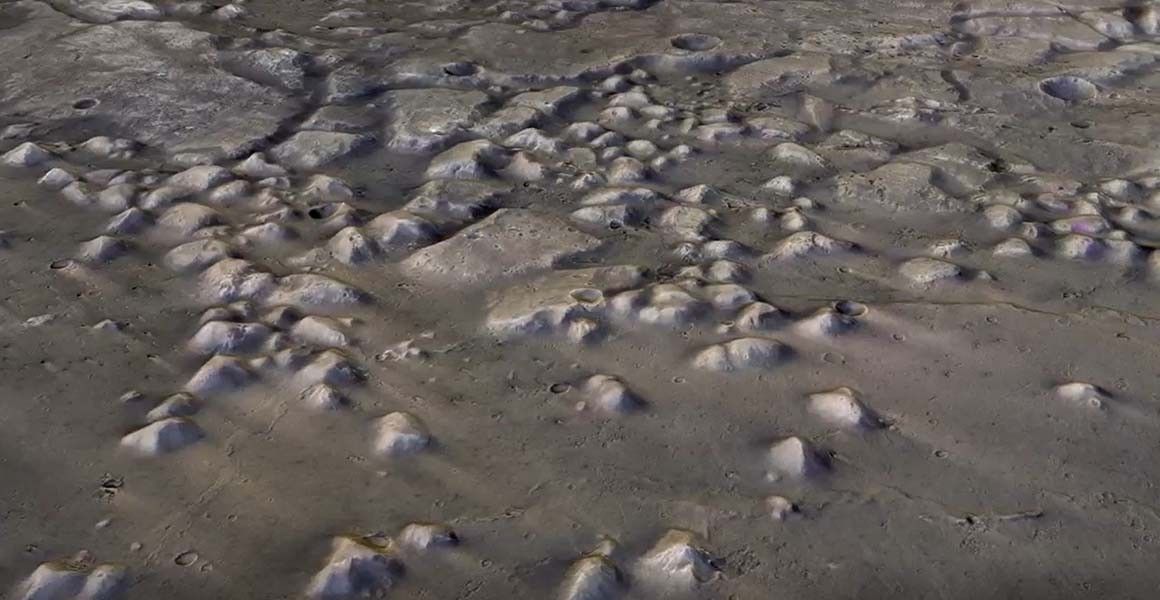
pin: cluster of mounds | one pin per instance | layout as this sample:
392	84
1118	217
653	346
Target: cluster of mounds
78	578
783	262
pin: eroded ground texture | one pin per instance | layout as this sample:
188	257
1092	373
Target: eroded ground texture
579	299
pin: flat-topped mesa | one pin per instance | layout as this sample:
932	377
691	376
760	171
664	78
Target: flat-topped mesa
509	243
560	302
430	120
742	354
925	271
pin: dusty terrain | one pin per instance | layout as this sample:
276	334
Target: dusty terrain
579	299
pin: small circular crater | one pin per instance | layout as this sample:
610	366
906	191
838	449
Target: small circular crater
850	308
587	295
695	42
62	263
834	358
85	103
1069	88
460	69
185	558
559	388
316	212
379	539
